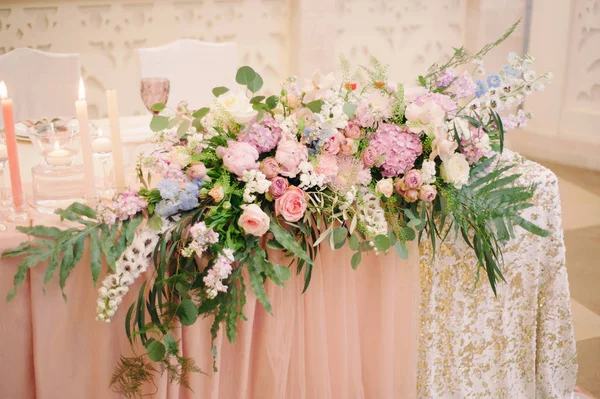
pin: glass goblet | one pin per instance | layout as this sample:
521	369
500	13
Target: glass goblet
102	150
153	91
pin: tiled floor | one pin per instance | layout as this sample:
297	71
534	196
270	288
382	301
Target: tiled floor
580	197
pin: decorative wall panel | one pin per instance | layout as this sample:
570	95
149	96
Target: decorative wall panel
106	34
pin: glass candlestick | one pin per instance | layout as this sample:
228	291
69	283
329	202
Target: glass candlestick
102	150
58	180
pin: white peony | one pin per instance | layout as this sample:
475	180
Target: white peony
455	170
428	114
318	87
237	105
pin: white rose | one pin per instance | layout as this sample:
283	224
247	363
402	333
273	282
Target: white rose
238	106
455	170
385	187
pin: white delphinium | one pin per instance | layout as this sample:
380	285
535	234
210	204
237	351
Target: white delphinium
479	69
308	177
428	171
133	262
220	270
288	125
371	214
256	183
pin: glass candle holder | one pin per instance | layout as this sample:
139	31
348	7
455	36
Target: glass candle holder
102	151
58	180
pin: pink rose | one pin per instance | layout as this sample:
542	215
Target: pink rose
291	205
348	146
401	187
253	220
369	156
411	195
352	131
278	187
328	166
427	193
289	155
269	167
196	171
413	178
332	146
238	157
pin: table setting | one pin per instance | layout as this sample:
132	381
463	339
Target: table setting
349	237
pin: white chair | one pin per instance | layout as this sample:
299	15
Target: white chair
41	84
193	68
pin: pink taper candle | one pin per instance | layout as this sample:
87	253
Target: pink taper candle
86	145
11	148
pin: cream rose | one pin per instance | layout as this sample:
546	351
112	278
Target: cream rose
442	148
237	105
253	220
455	170
385	187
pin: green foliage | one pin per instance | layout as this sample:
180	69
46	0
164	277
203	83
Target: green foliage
130	376
349	109
217	91
315	106
158	107
159	123
155	350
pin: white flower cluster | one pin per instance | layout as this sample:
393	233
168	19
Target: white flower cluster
133	262
428	171
220	270
256	183
289	125
371	215
349	198
332	115
308	177
202	238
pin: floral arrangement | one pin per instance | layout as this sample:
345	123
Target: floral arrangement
362	161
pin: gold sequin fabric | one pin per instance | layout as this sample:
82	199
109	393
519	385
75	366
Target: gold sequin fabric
519	344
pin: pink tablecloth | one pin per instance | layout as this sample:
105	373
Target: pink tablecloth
352	335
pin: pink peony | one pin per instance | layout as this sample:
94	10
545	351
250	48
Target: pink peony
399	148
332	146
253	220
427	193
263	135
291	205
413	178
197	170
278	187
290	153
269	167
238	157
353	131
328	166
369	156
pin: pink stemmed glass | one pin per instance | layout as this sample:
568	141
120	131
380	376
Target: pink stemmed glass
154	90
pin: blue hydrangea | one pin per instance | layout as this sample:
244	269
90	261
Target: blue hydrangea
166	208
198	182
481	88
168	189
494	80
187	201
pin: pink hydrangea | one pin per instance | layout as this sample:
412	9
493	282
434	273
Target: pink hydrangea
463	86
399	148
472	147
129	204
263	135
445	102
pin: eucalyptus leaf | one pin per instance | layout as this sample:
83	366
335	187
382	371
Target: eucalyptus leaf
170	344
158	107
257	99
155	349
382	242
315	106
245	75
349	109
201	113
355	261
159	123
173	122
401	250
183	128
354	243
339	235
217	91
187	312
272	101
155	222
256	84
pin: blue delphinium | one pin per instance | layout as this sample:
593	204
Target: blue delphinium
481	88
494	80
168	189
511	71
